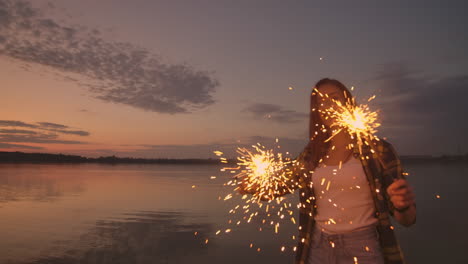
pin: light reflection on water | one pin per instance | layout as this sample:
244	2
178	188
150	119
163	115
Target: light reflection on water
143	237
91	213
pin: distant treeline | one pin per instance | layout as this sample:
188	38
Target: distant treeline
22	157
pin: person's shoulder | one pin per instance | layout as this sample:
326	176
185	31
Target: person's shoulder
384	147
388	155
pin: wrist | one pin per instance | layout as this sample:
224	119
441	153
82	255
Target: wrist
402	210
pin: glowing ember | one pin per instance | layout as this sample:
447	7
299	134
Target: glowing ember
356	119
265	175
263	172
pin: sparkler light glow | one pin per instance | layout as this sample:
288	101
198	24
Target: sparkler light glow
356	119
266	175
263	173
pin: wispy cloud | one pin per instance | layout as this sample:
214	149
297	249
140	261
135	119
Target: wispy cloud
15	123
40	132
16	146
275	113
120	72
52	125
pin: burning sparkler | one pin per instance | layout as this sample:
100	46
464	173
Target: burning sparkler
266	175
263	172
356	119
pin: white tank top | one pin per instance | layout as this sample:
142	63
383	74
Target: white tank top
343	197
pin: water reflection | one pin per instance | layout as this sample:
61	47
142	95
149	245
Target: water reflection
143	237
36	183
75	214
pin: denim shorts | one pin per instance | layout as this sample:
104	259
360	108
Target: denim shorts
361	246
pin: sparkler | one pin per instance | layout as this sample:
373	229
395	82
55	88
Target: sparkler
263	172
356	119
266	175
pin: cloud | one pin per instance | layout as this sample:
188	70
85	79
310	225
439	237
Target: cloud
17	131
13	135
15	146
72	132
427	113
275	113
16	123
61	129
40	125
52	125
38	138
116	72
86	111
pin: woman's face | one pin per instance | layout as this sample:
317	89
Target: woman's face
324	102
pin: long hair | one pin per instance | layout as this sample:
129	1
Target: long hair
318	131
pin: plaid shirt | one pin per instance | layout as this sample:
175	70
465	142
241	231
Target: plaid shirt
381	166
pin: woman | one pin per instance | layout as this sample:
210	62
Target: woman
347	194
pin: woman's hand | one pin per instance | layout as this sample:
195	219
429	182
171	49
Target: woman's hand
402	197
401	194
245	187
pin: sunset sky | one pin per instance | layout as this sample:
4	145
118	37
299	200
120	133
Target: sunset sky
181	79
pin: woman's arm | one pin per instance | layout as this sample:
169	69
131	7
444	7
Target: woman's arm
283	188
401	198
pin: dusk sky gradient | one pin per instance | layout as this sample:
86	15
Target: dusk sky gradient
180	79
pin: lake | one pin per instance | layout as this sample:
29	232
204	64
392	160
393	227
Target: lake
97	213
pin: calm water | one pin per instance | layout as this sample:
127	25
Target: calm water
92	213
